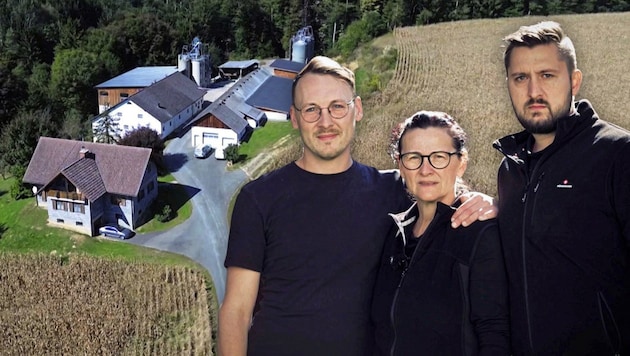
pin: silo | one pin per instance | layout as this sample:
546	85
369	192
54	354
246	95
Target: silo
303	45
183	64
298	51
199	71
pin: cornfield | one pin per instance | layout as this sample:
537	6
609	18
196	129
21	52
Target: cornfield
80	305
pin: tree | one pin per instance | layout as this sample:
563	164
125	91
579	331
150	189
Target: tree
148	138
144	39
106	130
11	93
19	139
73	74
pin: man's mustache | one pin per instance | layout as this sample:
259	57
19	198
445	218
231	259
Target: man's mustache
536	101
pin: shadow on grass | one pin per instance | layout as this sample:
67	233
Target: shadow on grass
175	161
3	229
3	192
175	195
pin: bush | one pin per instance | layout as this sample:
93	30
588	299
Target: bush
166	214
231	153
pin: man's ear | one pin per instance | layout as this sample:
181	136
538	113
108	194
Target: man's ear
576	81
292	114
358	107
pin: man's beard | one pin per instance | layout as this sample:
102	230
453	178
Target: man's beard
547	125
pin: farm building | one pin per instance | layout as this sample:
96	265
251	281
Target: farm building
85	185
246	105
163	106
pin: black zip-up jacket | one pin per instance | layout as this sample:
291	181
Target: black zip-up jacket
565	230
448	296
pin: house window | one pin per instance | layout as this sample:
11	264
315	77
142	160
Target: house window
151	186
103	93
139	116
126	127
119	114
61	221
59	205
141	195
79	223
124	96
78	208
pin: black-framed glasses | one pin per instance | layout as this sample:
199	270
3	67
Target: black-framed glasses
437	159
338	109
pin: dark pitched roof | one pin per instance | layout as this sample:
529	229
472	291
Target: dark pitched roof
287	65
84	175
274	94
121	168
168	97
231	118
140	77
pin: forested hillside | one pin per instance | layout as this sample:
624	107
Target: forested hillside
52	53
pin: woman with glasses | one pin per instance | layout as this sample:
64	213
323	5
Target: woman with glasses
440	291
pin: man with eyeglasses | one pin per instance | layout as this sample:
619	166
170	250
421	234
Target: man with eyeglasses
564	197
305	240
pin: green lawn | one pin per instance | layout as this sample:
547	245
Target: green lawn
24	229
264	137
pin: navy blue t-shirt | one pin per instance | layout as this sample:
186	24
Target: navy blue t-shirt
317	240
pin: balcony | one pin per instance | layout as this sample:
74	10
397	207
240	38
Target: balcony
75	196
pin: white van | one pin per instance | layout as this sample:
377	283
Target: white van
219	153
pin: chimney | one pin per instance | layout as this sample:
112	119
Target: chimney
85	153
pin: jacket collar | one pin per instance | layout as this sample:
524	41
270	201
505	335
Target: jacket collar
409	216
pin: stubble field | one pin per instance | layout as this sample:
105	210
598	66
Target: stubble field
458	68
80	305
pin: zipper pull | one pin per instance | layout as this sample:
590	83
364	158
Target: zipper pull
402	276
524	198
538	182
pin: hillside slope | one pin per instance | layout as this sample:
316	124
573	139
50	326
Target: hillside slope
457	67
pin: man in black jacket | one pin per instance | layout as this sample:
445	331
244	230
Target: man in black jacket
564	202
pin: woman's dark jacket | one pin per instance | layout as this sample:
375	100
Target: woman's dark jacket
565	230
449	297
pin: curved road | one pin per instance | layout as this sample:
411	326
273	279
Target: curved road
203	237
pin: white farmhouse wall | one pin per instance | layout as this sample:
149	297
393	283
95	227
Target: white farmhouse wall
131	117
215	137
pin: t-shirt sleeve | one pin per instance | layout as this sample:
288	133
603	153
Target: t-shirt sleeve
246	242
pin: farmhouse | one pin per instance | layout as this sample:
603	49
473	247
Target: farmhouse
85	185
163	106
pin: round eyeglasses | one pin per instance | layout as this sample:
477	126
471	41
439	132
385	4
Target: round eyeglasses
437	159
338	109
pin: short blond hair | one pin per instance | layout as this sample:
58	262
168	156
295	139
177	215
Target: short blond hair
325	66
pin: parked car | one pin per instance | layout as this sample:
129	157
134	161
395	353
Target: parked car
219	153
203	151
115	231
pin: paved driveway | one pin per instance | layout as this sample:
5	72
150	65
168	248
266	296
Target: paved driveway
203	237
